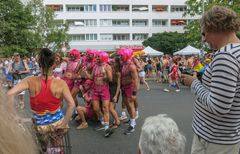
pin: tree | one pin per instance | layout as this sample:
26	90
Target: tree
167	42
50	33
15	25
27	28
196	8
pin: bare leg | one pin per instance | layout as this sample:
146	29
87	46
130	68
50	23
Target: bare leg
114	113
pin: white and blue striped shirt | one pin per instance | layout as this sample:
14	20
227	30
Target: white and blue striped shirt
216	116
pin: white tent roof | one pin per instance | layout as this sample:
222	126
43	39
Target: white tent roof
188	50
152	52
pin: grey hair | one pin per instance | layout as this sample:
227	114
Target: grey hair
160	135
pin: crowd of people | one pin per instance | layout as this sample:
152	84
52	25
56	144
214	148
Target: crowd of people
100	79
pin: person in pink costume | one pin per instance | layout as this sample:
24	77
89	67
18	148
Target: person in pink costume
72	64
86	112
101	75
129	85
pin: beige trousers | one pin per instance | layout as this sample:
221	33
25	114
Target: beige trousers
201	146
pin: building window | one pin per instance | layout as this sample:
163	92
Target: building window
121	37
106	8
91	37
159	22
90	8
120	22
90	22
77	37
82	23
75	8
137	37
105	22
120	8
106	37
178	8
56	8
83	37
139	8
159	8
178	22
140	22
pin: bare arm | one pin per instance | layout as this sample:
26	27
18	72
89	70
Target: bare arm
109	72
134	75
118	84
23	85
70	102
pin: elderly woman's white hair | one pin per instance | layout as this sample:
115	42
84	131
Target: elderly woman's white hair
160	135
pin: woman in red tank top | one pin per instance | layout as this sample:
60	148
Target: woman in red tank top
46	93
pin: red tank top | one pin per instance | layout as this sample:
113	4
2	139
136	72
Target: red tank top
45	102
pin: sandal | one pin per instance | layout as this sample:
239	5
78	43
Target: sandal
83	126
114	125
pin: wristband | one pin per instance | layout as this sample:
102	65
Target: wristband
134	93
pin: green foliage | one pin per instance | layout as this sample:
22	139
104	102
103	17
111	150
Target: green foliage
196	8
15	26
27	28
167	42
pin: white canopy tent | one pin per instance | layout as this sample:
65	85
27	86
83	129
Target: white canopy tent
152	52
189	50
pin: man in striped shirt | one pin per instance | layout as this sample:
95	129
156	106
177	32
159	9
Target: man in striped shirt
216	117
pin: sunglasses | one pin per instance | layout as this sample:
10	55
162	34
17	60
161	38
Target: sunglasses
203	34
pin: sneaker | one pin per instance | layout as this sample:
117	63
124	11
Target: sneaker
101	127
108	132
129	130
166	90
123	117
83	126
177	90
148	89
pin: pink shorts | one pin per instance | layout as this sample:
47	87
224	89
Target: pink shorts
127	90
90	114
101	93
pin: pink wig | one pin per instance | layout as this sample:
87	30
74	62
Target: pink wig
74	52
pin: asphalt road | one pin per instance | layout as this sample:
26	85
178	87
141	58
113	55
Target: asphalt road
178	105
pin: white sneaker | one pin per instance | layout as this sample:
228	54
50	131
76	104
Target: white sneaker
123	117
166	90
177	90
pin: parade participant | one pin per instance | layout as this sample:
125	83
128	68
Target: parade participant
101	76
160	135
165	66
174	76
72	63
114	88
19	70
87	64
70	74
216	108
59	66
129	85
86	112
141	75
46	93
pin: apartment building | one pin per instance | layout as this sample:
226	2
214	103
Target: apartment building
110	24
